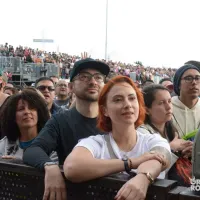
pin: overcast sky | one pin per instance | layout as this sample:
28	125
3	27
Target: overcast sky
156	32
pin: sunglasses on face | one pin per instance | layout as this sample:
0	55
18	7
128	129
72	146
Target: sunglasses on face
43	88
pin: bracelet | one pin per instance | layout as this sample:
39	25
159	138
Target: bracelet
126	165
50	163
149	176
131	164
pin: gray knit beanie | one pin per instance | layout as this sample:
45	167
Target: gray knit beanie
179	73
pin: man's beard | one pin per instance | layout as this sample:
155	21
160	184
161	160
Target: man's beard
84	95
87	97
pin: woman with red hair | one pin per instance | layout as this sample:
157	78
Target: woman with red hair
121	111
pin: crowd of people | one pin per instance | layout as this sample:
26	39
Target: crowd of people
66	62
106	122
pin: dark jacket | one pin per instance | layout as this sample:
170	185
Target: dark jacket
61	133
55	108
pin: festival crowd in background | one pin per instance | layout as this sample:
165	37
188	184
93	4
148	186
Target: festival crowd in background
66	62
98	115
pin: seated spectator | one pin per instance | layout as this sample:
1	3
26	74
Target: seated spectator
121	110
10	90
158	121
21	118
186	105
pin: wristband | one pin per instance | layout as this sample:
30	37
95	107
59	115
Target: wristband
50	163
126	165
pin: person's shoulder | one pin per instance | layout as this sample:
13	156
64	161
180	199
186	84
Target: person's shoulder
175	98
198	103
100	139
56	107
148	136
142	133
62	112
3	144
176	102
146	129
4	139
56	101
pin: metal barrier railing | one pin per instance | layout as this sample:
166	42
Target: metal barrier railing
10	64
27	71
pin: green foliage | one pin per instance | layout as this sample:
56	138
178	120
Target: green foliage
139	63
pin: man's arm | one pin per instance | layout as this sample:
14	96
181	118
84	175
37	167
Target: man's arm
43	145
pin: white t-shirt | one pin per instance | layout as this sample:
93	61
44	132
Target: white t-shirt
145	142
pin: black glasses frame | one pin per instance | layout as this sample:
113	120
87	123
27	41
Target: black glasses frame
89	76
190	79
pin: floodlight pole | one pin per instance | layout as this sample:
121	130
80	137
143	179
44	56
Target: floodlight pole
106	39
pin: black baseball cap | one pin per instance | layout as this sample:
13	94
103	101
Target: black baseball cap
89	63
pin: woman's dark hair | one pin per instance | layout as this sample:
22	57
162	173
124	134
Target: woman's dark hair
164	79
149	93
13	90
8	124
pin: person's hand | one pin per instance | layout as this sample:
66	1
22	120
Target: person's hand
152	155
8	157
179	144
135	188
54	184
187	152
84	55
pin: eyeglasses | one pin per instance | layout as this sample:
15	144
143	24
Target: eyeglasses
43	88
85	76
190	79
61	85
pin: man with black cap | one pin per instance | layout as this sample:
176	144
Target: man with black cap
63	131
186	106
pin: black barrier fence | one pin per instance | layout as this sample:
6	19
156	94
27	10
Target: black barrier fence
18	181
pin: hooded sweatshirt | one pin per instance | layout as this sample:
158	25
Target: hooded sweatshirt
185	119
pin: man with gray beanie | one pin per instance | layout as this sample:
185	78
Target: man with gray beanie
186	105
